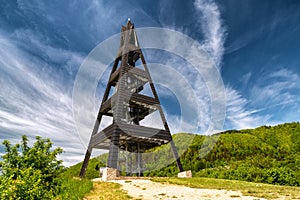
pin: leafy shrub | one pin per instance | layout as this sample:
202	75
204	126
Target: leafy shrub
30	172
246	172
281	176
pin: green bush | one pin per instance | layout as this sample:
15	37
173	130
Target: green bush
246	172
281	176
30	172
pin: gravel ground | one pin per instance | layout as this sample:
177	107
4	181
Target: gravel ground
148	190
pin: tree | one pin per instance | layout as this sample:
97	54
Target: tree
30	172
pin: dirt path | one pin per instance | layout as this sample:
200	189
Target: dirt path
148	190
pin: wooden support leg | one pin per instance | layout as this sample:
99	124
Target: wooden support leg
130	164
179	165
85	162
127	161
114	151
138	155
140	165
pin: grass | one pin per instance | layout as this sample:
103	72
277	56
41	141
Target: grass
247	188
74	189
107	191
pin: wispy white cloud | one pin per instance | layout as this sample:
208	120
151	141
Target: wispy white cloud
276	92
202	84
276	87
271	92
212	27
238	113
32	100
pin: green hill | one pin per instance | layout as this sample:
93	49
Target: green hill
265	154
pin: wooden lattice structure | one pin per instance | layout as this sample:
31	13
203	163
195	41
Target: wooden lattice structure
127	106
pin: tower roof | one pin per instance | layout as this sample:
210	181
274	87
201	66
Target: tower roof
128	26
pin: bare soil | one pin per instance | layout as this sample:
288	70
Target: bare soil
148	190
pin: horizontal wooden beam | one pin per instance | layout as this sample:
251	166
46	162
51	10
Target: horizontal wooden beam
130	98
130	70
131	132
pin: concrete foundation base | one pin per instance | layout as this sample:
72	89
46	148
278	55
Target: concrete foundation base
109	174
185	174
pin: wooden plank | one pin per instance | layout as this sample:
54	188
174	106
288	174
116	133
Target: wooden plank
131	98
130	70
106	106
139	72
145	132
140	98
102	135
114	77
133	132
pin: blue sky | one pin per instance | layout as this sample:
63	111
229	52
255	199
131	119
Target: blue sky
254	44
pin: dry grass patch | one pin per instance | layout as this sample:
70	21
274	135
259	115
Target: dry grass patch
247	188
107	191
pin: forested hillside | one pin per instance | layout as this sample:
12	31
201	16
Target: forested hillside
265	154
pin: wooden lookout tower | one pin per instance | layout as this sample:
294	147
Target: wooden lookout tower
127	107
